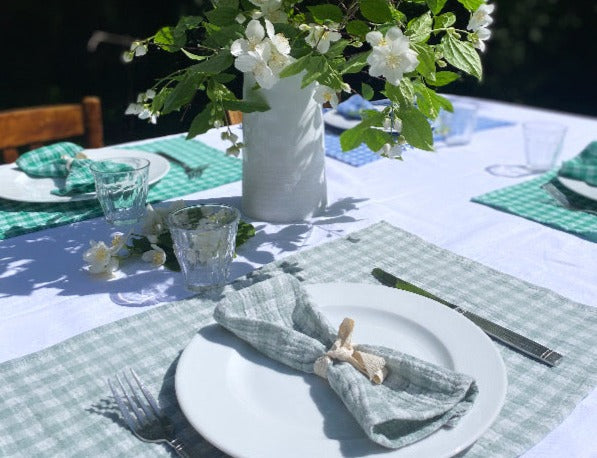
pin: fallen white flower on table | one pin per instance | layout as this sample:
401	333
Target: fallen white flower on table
156	255
100	258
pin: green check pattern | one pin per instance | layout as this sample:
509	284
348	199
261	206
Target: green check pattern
18	218
582	167
530	201
57	403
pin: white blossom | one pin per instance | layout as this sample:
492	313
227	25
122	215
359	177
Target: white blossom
481	18
100	258
321	37
270	9
479	38
391	56
157	256
255	34
391	151
325	94
256	62
154	222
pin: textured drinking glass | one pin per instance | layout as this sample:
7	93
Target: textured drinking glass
121	187
542	144
204	241
457	128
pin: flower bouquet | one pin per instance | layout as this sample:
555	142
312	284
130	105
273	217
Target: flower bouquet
406	49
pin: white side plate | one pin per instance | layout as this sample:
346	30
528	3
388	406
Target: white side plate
251	406
580	187
17	185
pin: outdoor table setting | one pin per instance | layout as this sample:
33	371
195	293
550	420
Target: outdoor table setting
324	266
65	332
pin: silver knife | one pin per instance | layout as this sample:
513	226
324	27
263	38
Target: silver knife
510	338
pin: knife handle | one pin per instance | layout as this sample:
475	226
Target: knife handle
504	335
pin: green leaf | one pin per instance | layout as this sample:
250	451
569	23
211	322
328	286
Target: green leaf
221	37
215	64
419	28
245	232
403	94
189	22
443	78
462	55
351	138
356	63
315	67
375	138
357	28
166	40
192	56
222	15
444	20
244	105
426	58
228	3
436	5
471	5
182	93
376	11
367	91
324	12
200	123
224	77
428	101
416	128
296	67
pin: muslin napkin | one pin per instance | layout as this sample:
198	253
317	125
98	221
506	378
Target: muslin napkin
278	318
63	160
352	107
582	167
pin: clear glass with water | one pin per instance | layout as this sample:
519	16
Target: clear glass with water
121	186
204	239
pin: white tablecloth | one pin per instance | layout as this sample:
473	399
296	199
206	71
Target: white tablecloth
46	296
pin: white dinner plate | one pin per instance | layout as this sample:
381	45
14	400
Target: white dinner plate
335	119
17	185
580	187
251	406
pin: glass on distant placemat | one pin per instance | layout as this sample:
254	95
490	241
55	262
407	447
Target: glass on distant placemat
457	127
121	187
542	144
204	239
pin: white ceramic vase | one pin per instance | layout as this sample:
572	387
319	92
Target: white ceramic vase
284	155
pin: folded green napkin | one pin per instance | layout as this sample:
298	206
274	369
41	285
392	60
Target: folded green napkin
277	317
60	160
582	167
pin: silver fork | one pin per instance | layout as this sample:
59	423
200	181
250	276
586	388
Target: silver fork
561	198
143	417
192	172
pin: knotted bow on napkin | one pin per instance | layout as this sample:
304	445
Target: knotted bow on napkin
63	160
277	317
582	167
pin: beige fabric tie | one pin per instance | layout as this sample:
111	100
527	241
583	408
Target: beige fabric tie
69	160
343	350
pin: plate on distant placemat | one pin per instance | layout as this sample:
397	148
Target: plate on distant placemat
17	185
579	187
248	405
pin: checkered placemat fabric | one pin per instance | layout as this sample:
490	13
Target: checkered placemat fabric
57	403
363	155
18	218
530	201
582	167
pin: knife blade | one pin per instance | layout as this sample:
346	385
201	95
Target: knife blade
497	332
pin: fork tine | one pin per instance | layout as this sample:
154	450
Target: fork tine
141	419
146	410
123	409
150	399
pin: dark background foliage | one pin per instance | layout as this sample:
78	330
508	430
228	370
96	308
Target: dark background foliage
541	54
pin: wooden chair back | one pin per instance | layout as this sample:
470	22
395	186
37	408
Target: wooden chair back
234	117
34	126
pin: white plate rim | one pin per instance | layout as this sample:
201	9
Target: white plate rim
158	168
489	399
579	187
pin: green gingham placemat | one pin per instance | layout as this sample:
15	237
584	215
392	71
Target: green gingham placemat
18	218
530	201
57	403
